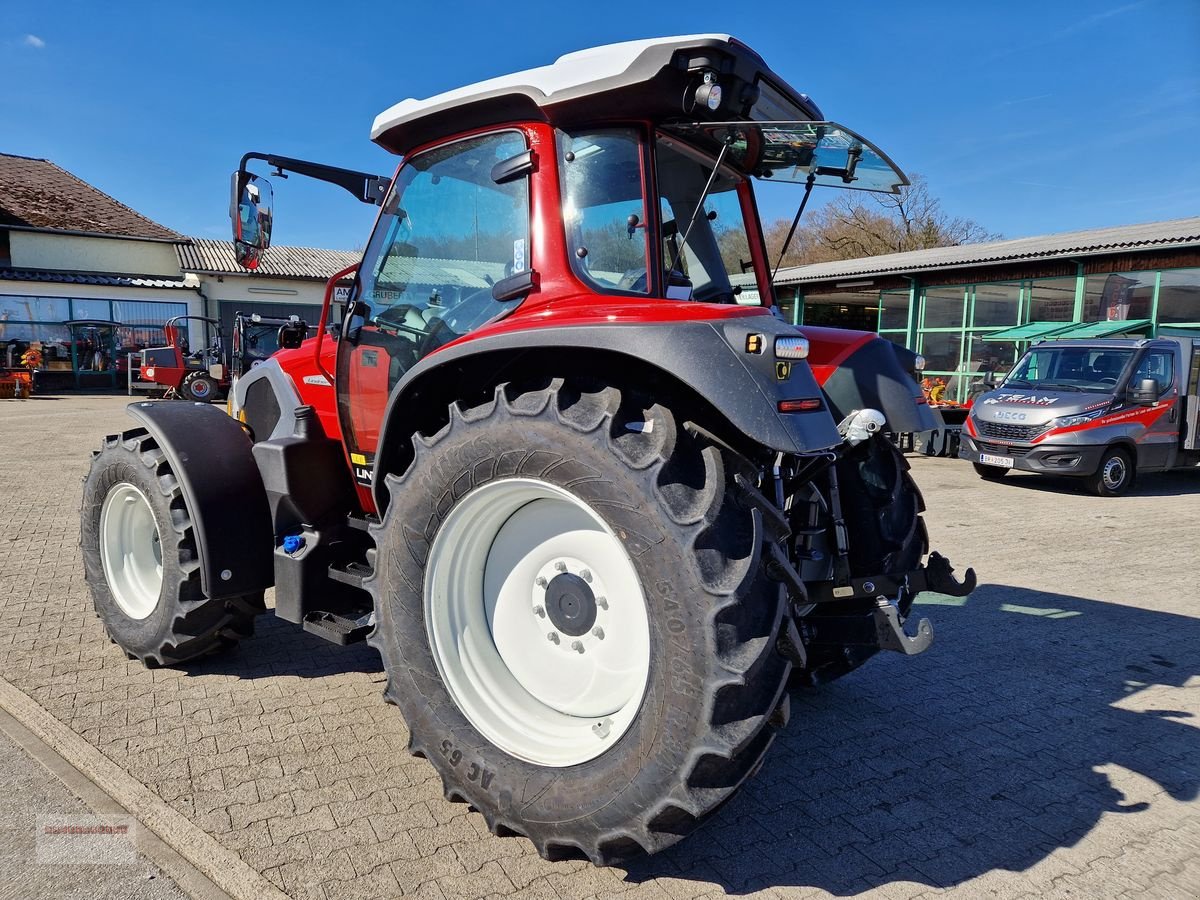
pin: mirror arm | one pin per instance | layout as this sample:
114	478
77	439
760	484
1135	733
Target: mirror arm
365	187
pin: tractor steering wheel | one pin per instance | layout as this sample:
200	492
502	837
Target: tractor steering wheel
392	318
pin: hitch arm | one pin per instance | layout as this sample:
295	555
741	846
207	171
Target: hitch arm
936	575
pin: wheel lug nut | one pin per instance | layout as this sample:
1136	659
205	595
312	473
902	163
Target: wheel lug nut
586	575
552	637
539	611
560	566
598	633
577	646
602	602
540	581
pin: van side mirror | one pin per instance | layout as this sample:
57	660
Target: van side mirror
1146	393
251	214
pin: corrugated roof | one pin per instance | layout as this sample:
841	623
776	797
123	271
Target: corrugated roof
217	258
35	193
1173	233
51	277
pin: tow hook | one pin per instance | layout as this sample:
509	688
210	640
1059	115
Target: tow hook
890	633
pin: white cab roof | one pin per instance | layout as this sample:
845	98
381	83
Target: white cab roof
582	72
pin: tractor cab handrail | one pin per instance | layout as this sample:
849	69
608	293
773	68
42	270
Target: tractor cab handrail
330	286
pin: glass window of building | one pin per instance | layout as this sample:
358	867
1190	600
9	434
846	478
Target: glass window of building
996	305
893	310
1179	296
1118	297
35	309
1052	300
843	309
940	349
91	309
943	307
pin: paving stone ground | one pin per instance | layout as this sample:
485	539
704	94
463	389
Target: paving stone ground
1048	745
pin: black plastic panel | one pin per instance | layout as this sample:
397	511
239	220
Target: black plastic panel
211	457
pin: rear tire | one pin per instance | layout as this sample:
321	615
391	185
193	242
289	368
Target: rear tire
199	387
989	473
1115	475
684	556
140	560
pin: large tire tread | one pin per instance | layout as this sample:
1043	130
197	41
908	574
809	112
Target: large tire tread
693	482
199	626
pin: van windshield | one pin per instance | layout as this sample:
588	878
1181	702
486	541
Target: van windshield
1070	369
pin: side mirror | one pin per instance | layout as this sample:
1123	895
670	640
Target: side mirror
292	336
250	212
1146	393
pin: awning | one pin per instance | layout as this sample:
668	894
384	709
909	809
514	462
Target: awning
1030	331
1102	329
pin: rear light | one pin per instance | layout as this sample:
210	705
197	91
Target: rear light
148	373
791	348
807	404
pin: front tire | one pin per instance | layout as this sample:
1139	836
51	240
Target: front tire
610	759
140	561
989	473
1115	475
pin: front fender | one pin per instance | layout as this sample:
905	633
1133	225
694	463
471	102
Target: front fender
211	457
710	358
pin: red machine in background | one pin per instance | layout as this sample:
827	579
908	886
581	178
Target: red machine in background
205	374
201	375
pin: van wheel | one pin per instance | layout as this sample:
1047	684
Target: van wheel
1114	476
989	473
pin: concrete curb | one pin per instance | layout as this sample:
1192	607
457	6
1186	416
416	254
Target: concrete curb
222	866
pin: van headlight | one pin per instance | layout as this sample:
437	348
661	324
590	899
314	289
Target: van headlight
1072	421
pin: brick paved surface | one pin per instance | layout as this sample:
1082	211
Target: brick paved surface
1048	745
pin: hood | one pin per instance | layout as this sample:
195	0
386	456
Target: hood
1033	407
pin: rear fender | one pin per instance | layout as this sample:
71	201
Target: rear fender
709	360
211	457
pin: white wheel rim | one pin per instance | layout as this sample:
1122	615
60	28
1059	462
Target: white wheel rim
131	550
200	389
501	628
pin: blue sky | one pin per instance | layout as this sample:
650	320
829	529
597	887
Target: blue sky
1030	117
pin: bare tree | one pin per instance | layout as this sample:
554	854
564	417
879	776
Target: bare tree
855	225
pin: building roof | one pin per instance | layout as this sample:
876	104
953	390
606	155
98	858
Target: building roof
217	258
1071	244
106	280
35	193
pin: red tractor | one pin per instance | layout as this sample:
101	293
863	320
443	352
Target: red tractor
201	375
595	510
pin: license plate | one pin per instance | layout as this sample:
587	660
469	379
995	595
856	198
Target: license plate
1003	461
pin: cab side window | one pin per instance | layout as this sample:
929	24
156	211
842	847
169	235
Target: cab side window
1159	365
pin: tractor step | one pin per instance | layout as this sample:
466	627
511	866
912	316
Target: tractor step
353	574
339	629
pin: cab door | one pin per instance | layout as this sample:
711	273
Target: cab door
455	223
1159	444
